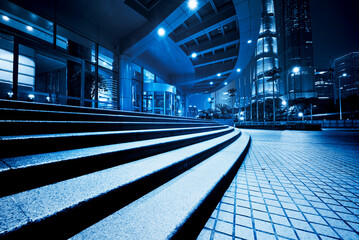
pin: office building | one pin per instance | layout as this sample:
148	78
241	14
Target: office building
346	75
324	86
295	49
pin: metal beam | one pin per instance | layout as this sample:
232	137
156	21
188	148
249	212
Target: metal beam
216	61
213	6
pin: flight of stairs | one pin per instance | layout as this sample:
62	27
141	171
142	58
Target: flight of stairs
82	173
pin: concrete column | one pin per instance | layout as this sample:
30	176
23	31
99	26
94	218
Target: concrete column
125	83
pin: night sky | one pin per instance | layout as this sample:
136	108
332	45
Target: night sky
335	26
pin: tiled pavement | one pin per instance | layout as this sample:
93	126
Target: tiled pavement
292	185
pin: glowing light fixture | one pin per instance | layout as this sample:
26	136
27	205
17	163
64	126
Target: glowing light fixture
344	74
218	74
161	32
225	83
209	99
238	70
249	41
29	28
284	102
192	4
31	97
211	83
296	69
300	114
194	55
6	18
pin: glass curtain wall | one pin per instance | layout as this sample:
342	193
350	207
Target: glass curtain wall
55	65
266	58
137	85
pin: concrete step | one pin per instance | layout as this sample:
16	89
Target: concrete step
177	209
26	114
26	172
11	104
43	143
27	127
62	209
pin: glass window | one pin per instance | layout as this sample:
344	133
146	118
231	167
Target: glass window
159	102
107	89
148	101
105	58
159	80
26	75
6	65
75	45
136	95
148	76
136	72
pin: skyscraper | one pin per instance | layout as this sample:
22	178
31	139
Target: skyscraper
295	49
266	55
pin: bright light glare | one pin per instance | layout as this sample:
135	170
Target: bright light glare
161	32
300	114
238	69
218	74
179	111
31	96
6	18
192	4
29	28
284	102
249	41
296	69
209	99
344	74
194	55
211	83
225	83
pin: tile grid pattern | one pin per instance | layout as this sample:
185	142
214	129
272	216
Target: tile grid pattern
291	190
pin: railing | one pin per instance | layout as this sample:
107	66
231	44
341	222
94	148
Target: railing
353	123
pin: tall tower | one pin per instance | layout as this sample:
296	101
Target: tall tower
266	56
295	49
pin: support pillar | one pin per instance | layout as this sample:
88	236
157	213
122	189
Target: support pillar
125	83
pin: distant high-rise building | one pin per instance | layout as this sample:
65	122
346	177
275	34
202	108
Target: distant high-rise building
324	84
295	49
346	73
266	56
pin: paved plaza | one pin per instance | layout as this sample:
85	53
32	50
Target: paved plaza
292	185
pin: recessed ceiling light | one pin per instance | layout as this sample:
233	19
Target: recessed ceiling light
194	55
192	4
238	69
249	41
218	74
211	83
29	28
6	18
225	83
161	32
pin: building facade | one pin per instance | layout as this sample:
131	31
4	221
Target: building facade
295	49
266	56
46	62
346	75
324	85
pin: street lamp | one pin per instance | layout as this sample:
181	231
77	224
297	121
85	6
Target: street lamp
340	95
301	115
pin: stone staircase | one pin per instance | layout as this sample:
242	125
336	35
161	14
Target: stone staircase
81	173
